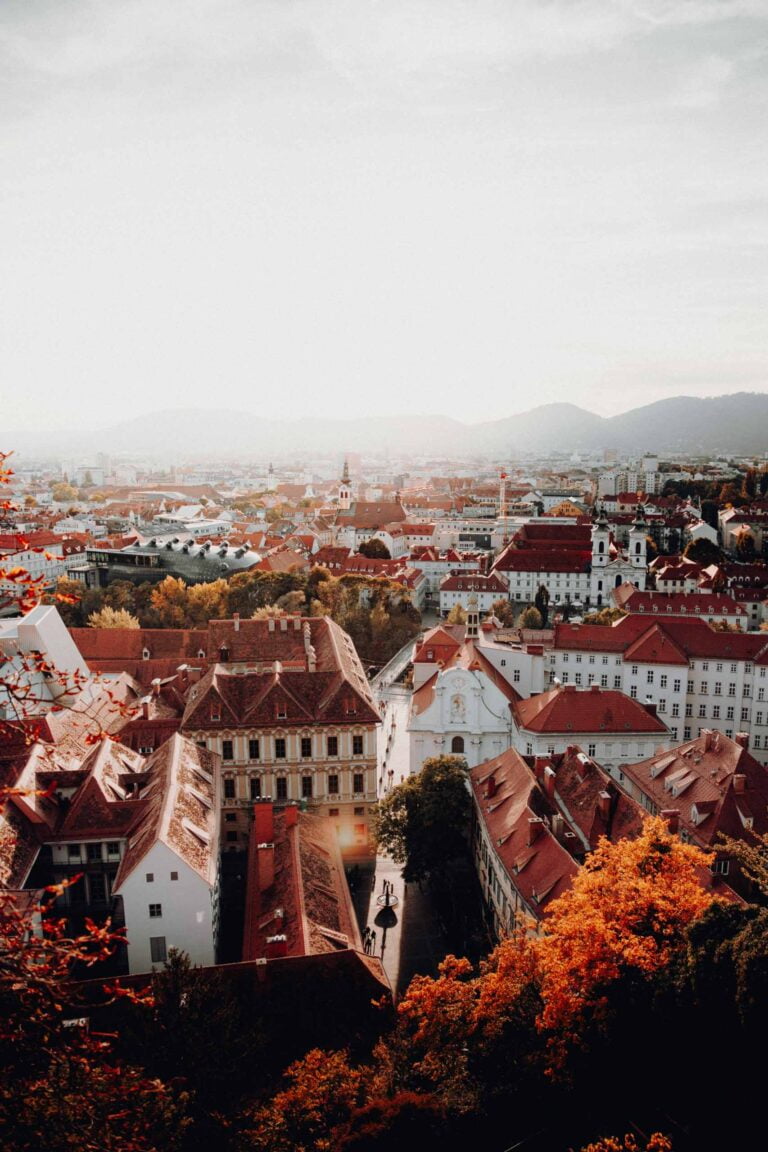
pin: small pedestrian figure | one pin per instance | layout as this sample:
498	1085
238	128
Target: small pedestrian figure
372	942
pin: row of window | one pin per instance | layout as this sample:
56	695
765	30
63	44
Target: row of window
280	747
281	786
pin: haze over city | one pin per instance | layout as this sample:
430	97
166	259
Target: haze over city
349	209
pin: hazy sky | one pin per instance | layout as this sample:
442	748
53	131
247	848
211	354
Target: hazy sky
350	206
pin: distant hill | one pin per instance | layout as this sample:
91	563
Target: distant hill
732	424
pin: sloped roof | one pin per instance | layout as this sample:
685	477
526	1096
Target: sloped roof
591	710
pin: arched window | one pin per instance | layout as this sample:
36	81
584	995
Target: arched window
601	547
619	580
457	744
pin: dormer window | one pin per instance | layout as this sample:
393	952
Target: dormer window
145	654
216	711
224	654
280	711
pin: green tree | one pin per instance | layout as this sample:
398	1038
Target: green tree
374	549
423	822
541	603
702	552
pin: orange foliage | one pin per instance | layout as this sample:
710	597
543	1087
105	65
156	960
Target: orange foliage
656	1142
626	911
323	1092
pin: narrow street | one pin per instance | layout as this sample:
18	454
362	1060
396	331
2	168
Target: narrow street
408	938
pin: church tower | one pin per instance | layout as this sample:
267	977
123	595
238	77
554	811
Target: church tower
637	541
601	539
345	490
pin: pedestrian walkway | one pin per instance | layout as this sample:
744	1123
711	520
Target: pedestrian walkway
405	935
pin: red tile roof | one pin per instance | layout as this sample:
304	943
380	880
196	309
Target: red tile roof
590	710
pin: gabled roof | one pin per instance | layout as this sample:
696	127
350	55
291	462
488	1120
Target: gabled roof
714	783
515	813
568	710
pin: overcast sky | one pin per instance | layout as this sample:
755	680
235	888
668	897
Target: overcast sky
366	206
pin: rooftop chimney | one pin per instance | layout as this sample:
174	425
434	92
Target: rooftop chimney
264	818
604	805
739	782
277	946
145	708
183	671
236	620
271	624
156	686
283	624
742	739
671	816
265	864
291	816
549	781
535	827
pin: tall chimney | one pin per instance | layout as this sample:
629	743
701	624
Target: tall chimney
265	864
535	824
291	816
739	782
277	946
156	686
604	805
671	816
549	781
236	620
264	821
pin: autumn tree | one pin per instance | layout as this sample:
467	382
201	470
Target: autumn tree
531	618
112	618
322	1091
457	615
63	493
504	613
423	822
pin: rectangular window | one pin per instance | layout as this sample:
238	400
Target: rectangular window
675	709
227	750
716	712
333	783
649	676
591	749
718	688
663	680
333	811
617	681
359	811
306	747
689	709
255	787
730	714
745	713
73	851
705	666
279	748
150	877
357	745
718	667
333	745
677	685
578	679
702	711
578	657
229	789
157	951
306	787
634	669
731	689
603	681
357	782
174	875
516	676
155	911
253	749
704	688
662	705
686	733
281	788
113	848
633	691
97	888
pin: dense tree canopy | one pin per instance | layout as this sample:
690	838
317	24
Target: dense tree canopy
423	822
